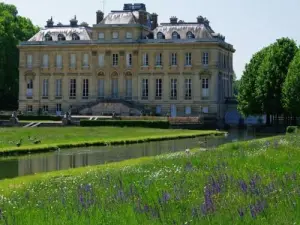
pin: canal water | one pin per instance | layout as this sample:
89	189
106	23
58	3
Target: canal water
79	157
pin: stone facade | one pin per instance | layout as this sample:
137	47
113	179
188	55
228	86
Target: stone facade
177	68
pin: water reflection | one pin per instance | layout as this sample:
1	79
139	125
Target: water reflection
72	158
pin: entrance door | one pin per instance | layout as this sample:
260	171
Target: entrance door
173	110
114	88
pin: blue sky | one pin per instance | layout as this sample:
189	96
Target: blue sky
247	24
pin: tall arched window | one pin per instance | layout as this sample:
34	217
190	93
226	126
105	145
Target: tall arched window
75	36
61	37
190	35
160	35
175	35
48	37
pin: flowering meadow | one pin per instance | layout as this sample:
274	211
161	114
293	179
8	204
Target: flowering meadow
255	182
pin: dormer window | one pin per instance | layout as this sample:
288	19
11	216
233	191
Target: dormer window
175	35
190	35
75	37
48	37
61	37
160	35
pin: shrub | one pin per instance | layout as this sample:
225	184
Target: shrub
32	117
184	120
291	129
126	123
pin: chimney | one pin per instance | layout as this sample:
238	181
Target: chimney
99	16
173	20
50	22
74	22
142	17
154	23
200	19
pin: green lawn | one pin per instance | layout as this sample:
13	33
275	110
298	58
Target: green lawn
256	182
81	136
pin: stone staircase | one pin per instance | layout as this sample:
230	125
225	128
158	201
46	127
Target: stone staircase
109	106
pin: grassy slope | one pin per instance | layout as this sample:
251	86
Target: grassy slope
254	182
76	136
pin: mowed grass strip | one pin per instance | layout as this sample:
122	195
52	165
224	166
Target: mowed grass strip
63	137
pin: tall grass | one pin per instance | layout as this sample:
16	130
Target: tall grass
254	182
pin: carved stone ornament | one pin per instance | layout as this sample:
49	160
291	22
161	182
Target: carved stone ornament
101	73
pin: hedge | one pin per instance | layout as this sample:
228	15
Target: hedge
32	117
291	129
126	123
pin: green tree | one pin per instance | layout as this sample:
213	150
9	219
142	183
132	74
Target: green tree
247	102
13	29
291	87
236	84
272	74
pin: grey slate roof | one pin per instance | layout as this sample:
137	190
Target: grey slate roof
121	17
84	33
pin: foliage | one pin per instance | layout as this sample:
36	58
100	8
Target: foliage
272	74
126	123
236	85
291	129
247	103
32	117
291	87
254	182
13	29
69	137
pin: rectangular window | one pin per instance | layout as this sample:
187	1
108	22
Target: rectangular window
188	89
188	59
85	89
115	59
115	35
59	61
73	61
58	87
45	61
158	59
205	90
205	58
29	61
45	108
29	91
173	88
101	60
100	35
128	88
129	59
224	61
173	59
85	62
72	93
145	89
158	89
45	88
29	108
145	59
128	35
101	88
58	107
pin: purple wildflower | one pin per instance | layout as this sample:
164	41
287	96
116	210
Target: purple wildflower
241	212
243	185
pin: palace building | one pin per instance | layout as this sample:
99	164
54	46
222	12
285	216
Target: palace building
127	63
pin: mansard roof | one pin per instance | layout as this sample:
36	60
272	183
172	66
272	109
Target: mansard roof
199	30
83	32
121	17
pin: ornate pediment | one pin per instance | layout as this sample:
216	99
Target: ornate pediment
101	74
114	74
205	72
128	74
